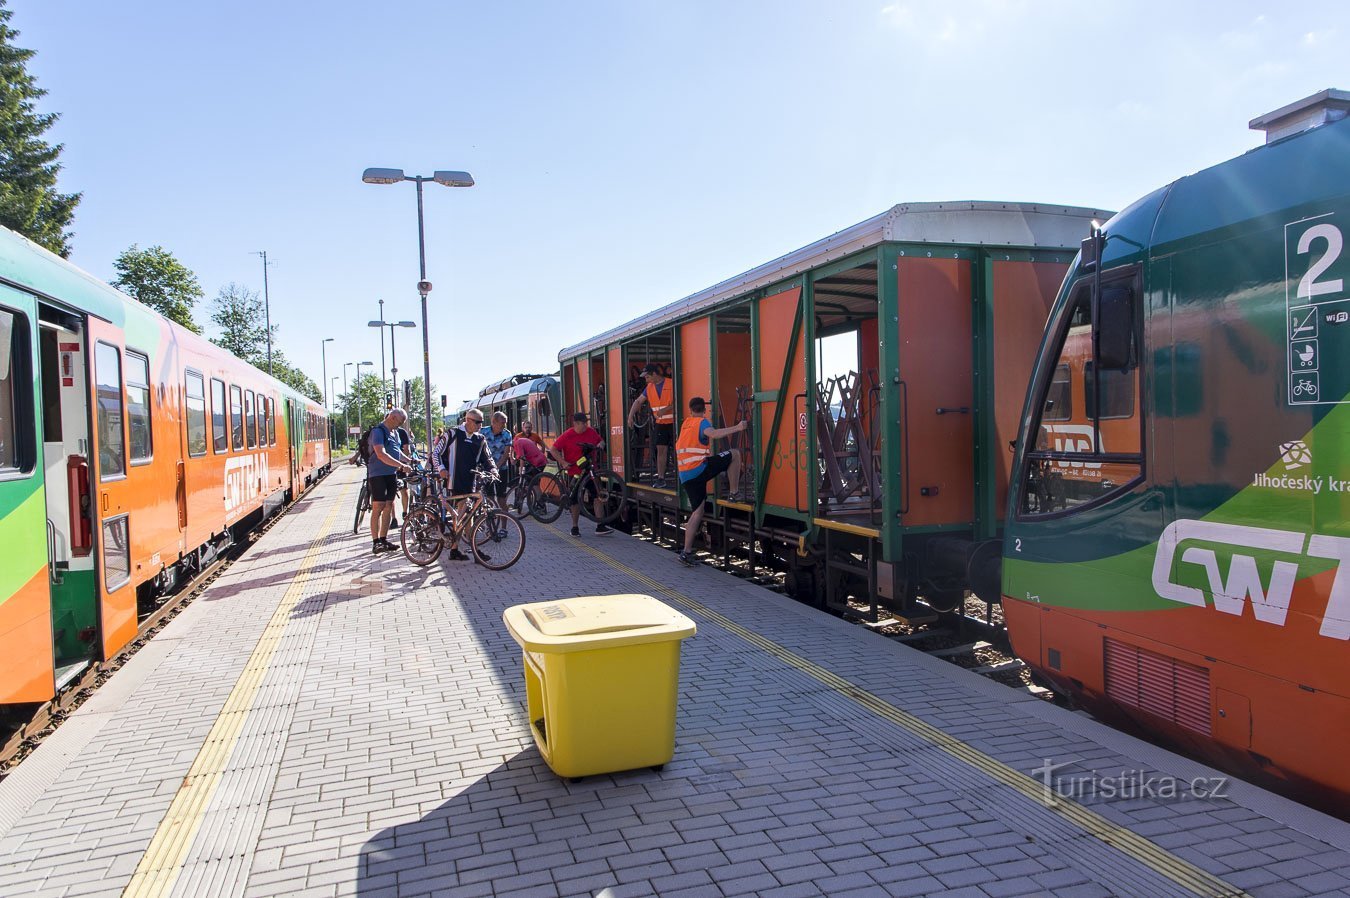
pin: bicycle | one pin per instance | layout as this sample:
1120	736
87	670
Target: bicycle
551	493
474	520
362	505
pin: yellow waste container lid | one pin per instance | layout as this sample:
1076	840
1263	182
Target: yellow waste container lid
594	622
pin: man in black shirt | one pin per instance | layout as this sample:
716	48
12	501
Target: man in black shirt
465	449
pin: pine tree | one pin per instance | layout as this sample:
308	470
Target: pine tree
29	200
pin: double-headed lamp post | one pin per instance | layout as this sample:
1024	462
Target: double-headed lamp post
360	423
346	401
445	179
393	352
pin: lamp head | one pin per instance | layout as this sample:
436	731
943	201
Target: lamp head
424	287
407	324
452	178
374	324
382	175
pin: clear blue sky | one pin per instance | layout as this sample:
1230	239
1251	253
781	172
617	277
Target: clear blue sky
626	153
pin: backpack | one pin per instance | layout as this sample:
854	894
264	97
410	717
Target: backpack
363	445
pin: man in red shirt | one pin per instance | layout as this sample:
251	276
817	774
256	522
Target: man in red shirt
568	449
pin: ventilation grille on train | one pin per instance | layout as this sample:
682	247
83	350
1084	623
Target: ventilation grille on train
1171	689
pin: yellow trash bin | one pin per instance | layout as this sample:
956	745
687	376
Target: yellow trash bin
601	677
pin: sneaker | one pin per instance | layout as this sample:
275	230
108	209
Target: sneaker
481	556
576	531
603	530
659	483
457	555
385	545
687	559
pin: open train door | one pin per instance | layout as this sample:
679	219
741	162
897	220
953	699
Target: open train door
111	492
293	447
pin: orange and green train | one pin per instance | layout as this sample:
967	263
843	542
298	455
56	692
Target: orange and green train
132	452
1177	541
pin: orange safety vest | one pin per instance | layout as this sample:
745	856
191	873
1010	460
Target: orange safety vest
663	410
689	451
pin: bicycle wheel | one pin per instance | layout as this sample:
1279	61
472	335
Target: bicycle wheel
607	487
517	501
362	505
547	497
421	536
498	540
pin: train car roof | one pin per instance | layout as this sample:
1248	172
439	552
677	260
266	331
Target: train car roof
539	384
35	270
966	223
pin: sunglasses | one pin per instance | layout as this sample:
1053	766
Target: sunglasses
474	420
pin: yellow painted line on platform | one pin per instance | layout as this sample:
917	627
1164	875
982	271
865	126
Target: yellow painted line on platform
163	859
1182	872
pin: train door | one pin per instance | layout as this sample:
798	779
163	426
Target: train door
63	380
25	609
293	446
110	490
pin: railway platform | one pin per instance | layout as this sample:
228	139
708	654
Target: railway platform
322	722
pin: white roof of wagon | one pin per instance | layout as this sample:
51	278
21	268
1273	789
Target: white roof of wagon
1021	225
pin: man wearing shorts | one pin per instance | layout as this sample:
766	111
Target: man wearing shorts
659	394
386	460
698	466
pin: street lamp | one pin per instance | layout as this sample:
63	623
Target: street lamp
360	423
393	352
346	401
445	179
323	349
332	438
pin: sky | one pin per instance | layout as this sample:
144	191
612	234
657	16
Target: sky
626	154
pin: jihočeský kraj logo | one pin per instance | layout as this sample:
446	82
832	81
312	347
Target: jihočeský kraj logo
1122	785
1295	454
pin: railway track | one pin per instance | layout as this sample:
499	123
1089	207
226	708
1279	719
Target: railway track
19	739
973	639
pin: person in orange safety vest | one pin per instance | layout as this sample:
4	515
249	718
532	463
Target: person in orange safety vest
698	465
659	394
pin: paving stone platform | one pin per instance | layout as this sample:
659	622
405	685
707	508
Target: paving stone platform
323	722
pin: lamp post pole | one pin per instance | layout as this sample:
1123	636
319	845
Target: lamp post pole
423	288
346	401
382	373
447	179
360	418
323	349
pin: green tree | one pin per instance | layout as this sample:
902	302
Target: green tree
363	402
29	200
153	277
417	421
238	312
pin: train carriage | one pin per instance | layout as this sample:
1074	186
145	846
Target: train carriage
132	452
1198	593
523	397
880	478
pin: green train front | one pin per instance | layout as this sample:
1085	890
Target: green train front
1174	542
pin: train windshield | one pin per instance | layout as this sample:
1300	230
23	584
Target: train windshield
1085	440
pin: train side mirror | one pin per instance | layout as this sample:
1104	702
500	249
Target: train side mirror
1115	329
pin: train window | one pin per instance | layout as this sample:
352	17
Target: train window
1080	458
271	421
116	552
220	432
236	418
138	407
250	420
1059	401
112	450
194	389
18	448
